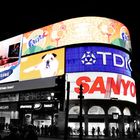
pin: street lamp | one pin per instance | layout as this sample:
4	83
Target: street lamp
49	98
52	95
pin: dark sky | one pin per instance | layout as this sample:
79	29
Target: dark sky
24	16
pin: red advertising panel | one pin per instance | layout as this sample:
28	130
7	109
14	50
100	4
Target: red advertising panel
102	85
10	53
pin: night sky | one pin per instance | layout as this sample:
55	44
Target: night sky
21	17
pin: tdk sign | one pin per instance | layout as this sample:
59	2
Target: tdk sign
99	59
89	59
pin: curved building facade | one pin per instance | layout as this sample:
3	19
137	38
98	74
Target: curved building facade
35	68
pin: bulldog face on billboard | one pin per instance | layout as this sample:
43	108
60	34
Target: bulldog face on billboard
42	65
47	67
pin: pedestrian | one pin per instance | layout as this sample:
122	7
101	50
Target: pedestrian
134	133
117	132
128	132
93	131
98	131
30	133
105	132
14	134
113	131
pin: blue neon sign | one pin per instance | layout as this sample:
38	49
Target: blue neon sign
99	59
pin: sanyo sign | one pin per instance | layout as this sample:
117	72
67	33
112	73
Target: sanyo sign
100	85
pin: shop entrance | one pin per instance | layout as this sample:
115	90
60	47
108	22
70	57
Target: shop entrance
40	121
113	125
97	126
75	127
43	124
126	126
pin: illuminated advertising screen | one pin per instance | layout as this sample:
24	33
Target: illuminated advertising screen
102	85
97	58
75	31
42	65
10	53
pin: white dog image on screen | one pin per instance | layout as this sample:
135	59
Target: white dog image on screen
48	66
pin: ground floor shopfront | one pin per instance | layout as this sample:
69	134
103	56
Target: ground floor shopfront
45	108
39	113
32	101
102	122
102	116
43	115
8	114
37	107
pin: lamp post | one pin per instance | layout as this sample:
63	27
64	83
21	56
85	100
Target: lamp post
67	112
51	99
80	114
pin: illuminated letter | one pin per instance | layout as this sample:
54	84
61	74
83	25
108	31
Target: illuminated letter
113	85
80	81
125	86
104	54
115	60
132	89
129	64
98	85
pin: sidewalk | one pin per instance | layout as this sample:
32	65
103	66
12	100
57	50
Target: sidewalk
89	138
83	138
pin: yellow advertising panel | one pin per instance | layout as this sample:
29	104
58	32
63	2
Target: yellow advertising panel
74	31
42	65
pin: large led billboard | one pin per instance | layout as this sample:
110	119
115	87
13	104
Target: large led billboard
10	53
42	65
75	31
102	85
97	59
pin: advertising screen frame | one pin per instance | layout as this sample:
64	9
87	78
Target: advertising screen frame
102	85
88	29
97	58
10	52
42	65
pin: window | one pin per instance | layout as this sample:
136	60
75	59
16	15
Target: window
96	110
75	110
126	111
114	109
